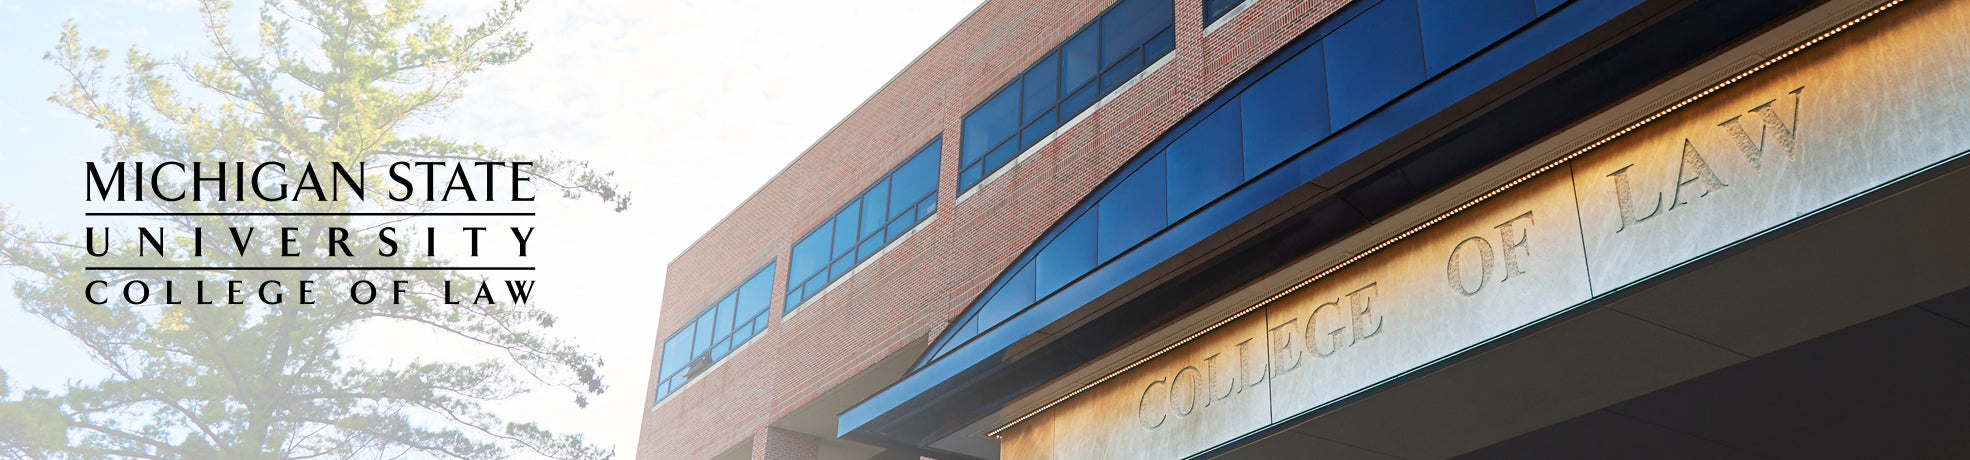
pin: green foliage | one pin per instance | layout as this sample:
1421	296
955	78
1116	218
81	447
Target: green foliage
328	81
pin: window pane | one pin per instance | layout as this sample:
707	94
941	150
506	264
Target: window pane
1121	72
1130	24
1067	257
839	269
1080	100
720	319
1284	112
1012	297
914	180
1372	59
810	256
1042	88
1037	131
1158	46
875	208
756	295
1077	58
994	121
1214	9
845	234
971	176
814	286
1548	5
704	334
1455	29
677	351
1205	162
1132	211
1000	156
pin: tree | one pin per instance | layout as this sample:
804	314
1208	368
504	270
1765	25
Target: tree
328	81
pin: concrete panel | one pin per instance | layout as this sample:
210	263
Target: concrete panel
1878	102
1487	271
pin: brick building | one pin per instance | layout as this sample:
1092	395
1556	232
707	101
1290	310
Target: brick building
1355	229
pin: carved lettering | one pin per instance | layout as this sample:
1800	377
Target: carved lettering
1694	169
1215	378
1335	329
1245	367
1183	398
1361	308
1142	406
1456	267
1625	198
1770	123
1513	240
1285	355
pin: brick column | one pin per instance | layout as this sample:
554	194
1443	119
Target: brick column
777	444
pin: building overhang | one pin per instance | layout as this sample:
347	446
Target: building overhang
1574	61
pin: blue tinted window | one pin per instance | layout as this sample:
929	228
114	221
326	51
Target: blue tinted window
755	296
1132	211
1015	295
1037	131
1204	163
860	229
719	328
1455	29
915	180
1078	56
1214	9
1372	59
1548	5
992	123
1107	52
1285	112
1070	255
810	255
1079	101
1129	24
875	208
845	230
1123	70
678	351
1042	88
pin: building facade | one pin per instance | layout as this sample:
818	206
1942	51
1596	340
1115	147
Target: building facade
1162	229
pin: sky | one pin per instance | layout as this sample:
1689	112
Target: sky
694	104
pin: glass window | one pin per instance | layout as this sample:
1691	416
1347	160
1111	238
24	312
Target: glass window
1205	162
1372	59
1041	88
719	328
1456	29
1015	295
810	255
1285	112
845	231
992	123
860	229
1078	56
1130	24
1103	55
915	179
1067	257
1132	211
875	208
1214	9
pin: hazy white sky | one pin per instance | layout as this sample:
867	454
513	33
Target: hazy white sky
695	104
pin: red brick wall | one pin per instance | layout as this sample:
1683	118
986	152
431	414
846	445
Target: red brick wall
924	281
777	444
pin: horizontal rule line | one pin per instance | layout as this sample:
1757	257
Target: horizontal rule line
407	214
304	268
